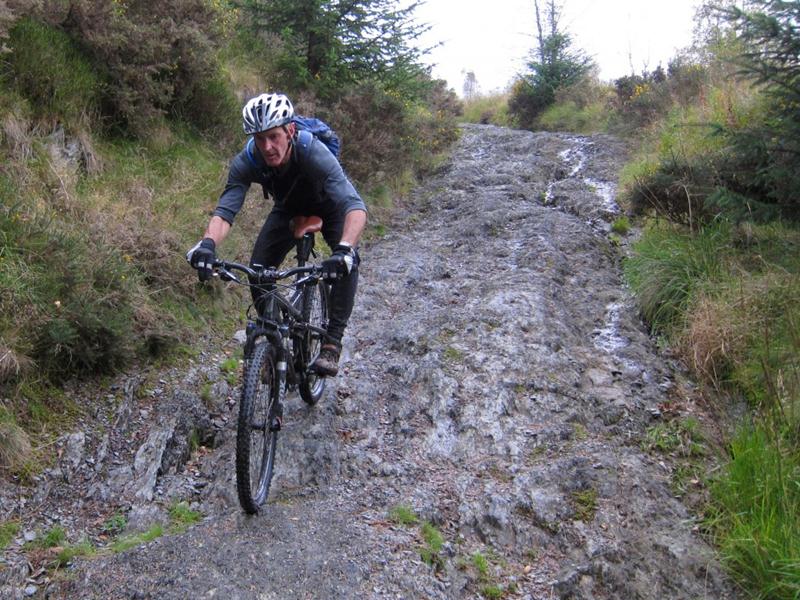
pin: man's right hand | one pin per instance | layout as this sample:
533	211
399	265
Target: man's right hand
202	257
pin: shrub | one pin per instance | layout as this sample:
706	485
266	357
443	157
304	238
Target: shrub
51	71
158	58
383	134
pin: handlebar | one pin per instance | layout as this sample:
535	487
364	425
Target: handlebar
224	269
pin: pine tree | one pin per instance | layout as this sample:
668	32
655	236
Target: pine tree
770	31
554	64
333	43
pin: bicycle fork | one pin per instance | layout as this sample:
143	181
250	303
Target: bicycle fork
281	368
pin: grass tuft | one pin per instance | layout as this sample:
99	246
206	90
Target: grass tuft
757	514
433	544
7	532
181	516
669	268
403	515
621	225
584	502
131	541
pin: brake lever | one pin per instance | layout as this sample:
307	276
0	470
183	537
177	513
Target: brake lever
226	275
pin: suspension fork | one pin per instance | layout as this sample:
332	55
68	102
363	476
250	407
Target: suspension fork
284	360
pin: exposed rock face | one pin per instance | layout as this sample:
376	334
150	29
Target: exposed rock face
496	380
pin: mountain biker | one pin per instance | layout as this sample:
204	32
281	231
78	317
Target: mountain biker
301	183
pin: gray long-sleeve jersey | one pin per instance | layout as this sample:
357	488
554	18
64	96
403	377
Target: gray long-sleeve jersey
312	182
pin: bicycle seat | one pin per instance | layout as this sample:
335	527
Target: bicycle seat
302	225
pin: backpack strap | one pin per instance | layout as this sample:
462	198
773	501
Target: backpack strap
303	141
249	150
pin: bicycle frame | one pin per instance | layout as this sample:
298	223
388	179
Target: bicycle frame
282	320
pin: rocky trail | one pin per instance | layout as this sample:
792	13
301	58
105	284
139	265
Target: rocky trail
484	439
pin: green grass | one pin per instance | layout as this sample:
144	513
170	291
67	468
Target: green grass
182	517
729	299
492	591
489	108
433	544
131	541
48	67
229	365
567	116
8	530
55	536
115	524
481	564
669	267
205	392
682	437
453	355
757	514
621	225
70	552
403	515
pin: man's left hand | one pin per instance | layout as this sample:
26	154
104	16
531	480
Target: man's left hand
340	262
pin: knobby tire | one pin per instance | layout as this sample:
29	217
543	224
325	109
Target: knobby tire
255	438
315	312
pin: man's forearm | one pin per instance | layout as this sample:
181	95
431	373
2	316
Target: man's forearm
354	223
217	229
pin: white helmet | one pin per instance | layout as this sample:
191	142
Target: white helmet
265	112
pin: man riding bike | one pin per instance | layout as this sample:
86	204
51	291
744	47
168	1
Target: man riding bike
301	183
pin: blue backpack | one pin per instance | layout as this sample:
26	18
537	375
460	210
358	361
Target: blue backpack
320	130
308	128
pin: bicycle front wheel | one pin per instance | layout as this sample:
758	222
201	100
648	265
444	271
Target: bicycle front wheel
315	313
258	426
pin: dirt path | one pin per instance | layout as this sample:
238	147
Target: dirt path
497	383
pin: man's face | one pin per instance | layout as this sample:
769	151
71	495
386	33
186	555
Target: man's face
275	144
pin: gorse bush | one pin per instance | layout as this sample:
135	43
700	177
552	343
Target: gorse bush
383	133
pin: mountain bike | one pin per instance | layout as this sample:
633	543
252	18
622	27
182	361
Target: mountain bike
284	336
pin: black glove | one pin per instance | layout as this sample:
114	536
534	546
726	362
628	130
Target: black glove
340	263
202	257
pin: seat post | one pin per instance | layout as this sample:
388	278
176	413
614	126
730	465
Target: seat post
304	247
304	229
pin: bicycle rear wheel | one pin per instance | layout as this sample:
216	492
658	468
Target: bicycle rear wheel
315	313
258	426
